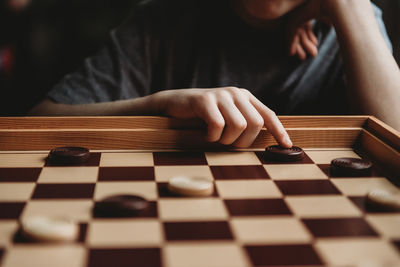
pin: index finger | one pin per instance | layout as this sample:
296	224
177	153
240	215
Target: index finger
272	123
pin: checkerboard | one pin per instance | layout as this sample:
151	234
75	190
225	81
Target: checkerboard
262	213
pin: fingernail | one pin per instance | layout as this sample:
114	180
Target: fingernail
288	142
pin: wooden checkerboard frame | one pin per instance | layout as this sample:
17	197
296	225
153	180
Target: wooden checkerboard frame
366	134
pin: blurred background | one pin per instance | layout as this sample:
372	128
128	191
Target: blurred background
42	40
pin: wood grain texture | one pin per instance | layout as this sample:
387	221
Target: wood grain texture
156	139
380	152
151	122
384	132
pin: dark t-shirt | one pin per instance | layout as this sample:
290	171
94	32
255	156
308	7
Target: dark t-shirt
176	44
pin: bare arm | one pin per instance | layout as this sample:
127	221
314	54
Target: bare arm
234	116
371	71
372	74
136	106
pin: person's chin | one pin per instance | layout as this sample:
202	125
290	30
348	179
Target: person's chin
267	17
266	14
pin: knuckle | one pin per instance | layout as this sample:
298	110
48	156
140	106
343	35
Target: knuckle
233	90
223	94
240	125
245	91
201	99
256	123
271	113
217	124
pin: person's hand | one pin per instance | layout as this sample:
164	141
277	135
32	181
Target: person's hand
301	38
234	116
302	41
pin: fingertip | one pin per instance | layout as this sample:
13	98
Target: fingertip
286	142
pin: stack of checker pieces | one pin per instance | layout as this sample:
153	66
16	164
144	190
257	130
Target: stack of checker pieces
261	213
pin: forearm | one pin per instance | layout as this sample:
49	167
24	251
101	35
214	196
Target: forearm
137	106
371	71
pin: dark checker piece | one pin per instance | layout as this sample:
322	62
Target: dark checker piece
120	206
69	155
278	153
350	167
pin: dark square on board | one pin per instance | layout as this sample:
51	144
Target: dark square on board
307	187
11	210
150	212
251	207
239	172
280	255
397	245
179	158
94	160
19	174
339	227
305	160
126	174
143	257
326	168
361	203
60	191
179	231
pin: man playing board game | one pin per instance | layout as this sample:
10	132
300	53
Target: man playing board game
216	48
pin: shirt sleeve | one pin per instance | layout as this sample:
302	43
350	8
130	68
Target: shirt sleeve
382	28
121	70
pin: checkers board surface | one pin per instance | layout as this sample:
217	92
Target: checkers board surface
262	213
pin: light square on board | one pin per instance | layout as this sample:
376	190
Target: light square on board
45	256
232	158
362	186
79	210
124	233
164	192
22	160
7	231
126	159
236	189
16	191
387	225
294	172
326	156
270	230
145	189
165	173
357	252
205	209
215	254
65	175
322	206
